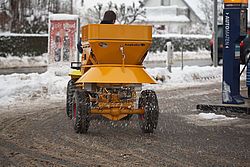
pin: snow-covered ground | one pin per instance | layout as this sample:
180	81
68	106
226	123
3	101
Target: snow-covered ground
52	84
210	119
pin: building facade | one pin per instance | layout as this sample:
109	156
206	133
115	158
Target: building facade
174	16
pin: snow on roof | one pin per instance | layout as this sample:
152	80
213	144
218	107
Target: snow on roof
63	17
164	14
91	3
195	6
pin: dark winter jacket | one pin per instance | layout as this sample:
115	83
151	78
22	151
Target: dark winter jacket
106	22
79	44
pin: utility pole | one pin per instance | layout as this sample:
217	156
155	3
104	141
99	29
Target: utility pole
215	30
71	7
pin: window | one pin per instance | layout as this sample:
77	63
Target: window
165	3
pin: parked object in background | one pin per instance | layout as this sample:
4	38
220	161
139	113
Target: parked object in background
220	44
245	49
170	50
63	36
244	46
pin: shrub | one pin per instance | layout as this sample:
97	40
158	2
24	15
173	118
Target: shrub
35	45
189	43
23	45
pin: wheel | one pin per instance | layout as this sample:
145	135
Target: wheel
248	92
81	111
69	97
148	101
219	58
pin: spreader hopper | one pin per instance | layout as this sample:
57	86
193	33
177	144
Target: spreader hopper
114	53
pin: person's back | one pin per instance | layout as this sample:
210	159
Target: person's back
108	18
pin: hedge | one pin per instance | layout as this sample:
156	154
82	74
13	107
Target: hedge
23	45
35	45
188	42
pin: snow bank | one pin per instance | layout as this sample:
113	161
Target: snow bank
189	76
13	61
22	87
187	55
172	35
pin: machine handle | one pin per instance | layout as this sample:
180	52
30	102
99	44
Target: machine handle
123	54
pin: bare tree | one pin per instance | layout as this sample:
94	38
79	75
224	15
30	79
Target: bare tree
17	9
207	8
5	15
125	14
94	15
29	16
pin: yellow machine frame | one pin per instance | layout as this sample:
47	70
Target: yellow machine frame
236	1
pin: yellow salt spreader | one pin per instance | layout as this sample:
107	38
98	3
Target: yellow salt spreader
108	80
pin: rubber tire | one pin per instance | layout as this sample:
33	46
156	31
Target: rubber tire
149	120
81	111
219	59
70	92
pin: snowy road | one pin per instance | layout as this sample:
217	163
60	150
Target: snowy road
40	134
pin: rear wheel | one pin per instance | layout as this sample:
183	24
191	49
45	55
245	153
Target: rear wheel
81	111
69	98
149	120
